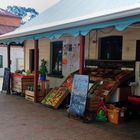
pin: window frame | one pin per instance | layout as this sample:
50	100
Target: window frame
111	54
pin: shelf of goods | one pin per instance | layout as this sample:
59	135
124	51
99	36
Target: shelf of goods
101	89
21	82
106	80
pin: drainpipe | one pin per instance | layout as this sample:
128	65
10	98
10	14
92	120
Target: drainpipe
36	71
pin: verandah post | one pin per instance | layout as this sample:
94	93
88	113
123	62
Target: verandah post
36	71
82	54
9	56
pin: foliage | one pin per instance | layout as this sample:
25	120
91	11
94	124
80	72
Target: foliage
25	13
43	67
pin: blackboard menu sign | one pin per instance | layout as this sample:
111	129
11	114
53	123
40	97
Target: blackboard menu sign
6	80
79	94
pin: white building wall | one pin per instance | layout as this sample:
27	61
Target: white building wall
17	53
3	52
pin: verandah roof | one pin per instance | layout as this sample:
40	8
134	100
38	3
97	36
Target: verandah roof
77	17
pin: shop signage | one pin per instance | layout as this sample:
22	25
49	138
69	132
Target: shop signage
6	81
79	94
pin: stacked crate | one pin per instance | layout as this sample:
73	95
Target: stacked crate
42	91
21	82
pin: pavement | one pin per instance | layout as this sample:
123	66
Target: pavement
24	120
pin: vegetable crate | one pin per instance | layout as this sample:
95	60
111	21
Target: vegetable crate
29	95
55	97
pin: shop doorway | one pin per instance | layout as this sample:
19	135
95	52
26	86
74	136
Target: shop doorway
111	48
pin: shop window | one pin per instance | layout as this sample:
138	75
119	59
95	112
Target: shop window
138	50
31	59
1	61
111	48
56	59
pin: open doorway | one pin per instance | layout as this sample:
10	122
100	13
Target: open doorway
111	48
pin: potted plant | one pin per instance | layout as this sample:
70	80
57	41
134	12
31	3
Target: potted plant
43	70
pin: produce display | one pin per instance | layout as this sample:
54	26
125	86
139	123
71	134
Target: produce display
68	83
55	97
48	98
105	82
101	87
101	73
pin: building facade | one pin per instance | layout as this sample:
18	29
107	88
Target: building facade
8	23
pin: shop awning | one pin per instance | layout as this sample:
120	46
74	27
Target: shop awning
74	18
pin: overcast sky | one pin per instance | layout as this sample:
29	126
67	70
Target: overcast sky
39	5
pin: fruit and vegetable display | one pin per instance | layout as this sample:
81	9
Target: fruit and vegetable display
55	97
105	82
68	83
100	89
101	73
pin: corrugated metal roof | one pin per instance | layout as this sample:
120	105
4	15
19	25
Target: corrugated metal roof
6	13
75	13
77	9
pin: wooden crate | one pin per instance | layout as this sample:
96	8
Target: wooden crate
92	105
29	95
55	97
21	82
44	87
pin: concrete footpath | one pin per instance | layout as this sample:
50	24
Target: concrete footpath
23	120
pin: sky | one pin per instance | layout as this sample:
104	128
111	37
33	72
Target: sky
38	5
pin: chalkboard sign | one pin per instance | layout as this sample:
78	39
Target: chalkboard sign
6	81
79	94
